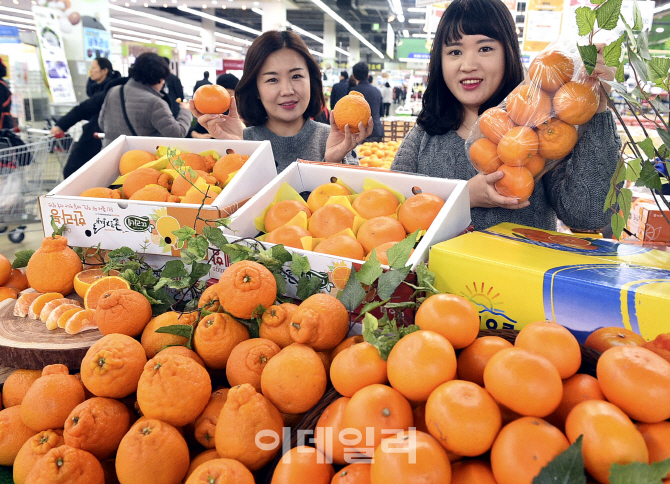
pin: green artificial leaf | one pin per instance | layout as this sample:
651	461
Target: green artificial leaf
162	282
643	45
619	74
586	20
133	265
299	265
21	258
370	325
353	294
178	284
308	286
370	270
222	222
214	236
649	176
566	468
426	278
389	282
647	145
371	306
629	33
659	105
633	169
147	278
401	305
612	52
607	14
618	223
199	246
639	473
610	199
189	257
639	66
159	298
192	305
57	230
280	253
198	271
399	253
184	330
404	331
236	252
665	136
120	254
265	258
625	199
281	283
174	269
589	55
597	2
637	17
130	276
184	233
192	174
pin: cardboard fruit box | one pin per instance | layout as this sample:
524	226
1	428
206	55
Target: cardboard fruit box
647	222
453	218
147	226
516	275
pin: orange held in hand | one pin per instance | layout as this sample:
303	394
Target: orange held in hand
494	123
528	105
517	182
550	70
484	156
211	99
576	102
556	139
352	109
518	146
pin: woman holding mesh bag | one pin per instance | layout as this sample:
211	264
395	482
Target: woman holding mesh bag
475	64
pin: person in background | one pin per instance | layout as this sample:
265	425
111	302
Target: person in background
339	90
6	120
88	145
351	83
202	82
372	95
387	99
137	107
475	63
279	92
229	83
173	87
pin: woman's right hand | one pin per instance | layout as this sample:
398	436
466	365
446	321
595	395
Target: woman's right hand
55	130
221	126
483	193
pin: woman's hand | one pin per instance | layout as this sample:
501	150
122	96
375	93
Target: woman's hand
55	130
483	193
604	72
221	126
342	142
195	134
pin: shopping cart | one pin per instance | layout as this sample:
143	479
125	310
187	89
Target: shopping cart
26	172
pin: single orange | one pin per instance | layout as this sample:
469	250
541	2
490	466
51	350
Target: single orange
603	338
133	159
375	202
351	110
528	105
517	182
288	236
553	341
320	195
211	99
550	70
657	437
452	316
474	357
576	102
494	123
419	211
281	212
556	139
303	464
517	146
484	156
356	367
342	245
100	287
330	219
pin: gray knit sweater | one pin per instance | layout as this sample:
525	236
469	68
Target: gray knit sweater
574	191
309	144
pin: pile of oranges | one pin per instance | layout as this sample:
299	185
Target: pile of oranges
537	124
378	154
374	220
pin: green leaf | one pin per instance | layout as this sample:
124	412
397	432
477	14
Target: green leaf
281	283
184	330
147	278
178	284
625	199
159	298
633	169
612	52
174	269
404	331
618	75
198	271
184	233
199	246
280	253
639	66
637	16
371	306
565	468
189	257
371	270
426	278
214	236
608	13
586	20
130	276
308	286
639	473
659	105
647	145
664	135
399	253
265	258
299	265
57	230
389	282
597	2
21	258
618	223
643	45
370	325
401	305
589	55
629	33
649	176
236	252
121	254
222	222
353	294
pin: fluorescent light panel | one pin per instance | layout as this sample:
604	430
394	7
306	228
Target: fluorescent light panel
317	38
228	46
155	17
11	18
135	39
233	38
143	34
22	26
16	10
417	21
220	20
151	29
417	9
228	51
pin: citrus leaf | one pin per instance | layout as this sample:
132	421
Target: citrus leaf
147	278
159	298
21	258
281	283
280	253
401	305
625	199
647	145
586	20
633	169
426	278
612	52
389	282
222	222
178	284
174	269
199	246
639	473
236	252
618	223
637	16
643	45
130	276
184	330
299	265
371	270
618	75
184	233
370	325
371	306
649	176
565	468
198	271
214	236
121	253
608	13
640	66
399	253
353	294
308	286
589	55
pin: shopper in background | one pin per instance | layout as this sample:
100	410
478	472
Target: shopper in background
87	146
387	98
137	107
339	90
476	40
372	95
6	120
229	83
202	82
279	92
173	87
351	83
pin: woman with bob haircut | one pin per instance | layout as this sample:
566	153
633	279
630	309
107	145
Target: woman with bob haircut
475	63
137	108
279	92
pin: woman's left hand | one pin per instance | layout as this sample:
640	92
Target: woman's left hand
340	143
604	72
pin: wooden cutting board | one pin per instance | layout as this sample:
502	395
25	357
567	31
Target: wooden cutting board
27	343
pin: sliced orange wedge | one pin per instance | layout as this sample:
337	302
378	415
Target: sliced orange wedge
81	321
23	303
85	278
101	286
51	305
52	320
67	315
38	304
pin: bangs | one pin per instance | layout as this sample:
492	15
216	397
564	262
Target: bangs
469	18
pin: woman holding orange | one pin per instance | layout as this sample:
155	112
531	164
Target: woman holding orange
280	91
475	63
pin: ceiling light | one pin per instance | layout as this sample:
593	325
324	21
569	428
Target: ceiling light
401	18
204	5
214	2
346	25
151	35
391	18
304	32
149	28
420	36
417	9
146	5
417	21
660	29
133	38
164	5
218	49
17	10
221	20
228	46
161	19
233	38
257	10
405	33
11	18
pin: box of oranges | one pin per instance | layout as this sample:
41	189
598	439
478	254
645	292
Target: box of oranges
335	231
96	214
516	275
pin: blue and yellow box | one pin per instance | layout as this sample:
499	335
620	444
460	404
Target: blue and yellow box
516	275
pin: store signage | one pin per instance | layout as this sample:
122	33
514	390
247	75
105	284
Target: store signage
9	35
418	55
543	24
97	43
233	65
375	67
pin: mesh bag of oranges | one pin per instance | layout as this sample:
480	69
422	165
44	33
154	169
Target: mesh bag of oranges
536	126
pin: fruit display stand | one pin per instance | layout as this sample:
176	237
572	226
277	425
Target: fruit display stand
396	129
137	223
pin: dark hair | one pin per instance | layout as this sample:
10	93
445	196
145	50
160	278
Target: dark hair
351	82
441	111
205	74
360	71
249	106
228	81
104	63
344	74
167	60
149	69
387	85
3	69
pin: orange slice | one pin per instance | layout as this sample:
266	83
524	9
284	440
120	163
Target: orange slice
51	305
85	278
67	315
37	305
52	320
101	286
81	321
23	303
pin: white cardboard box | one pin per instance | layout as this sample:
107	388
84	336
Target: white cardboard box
138	224
453	218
